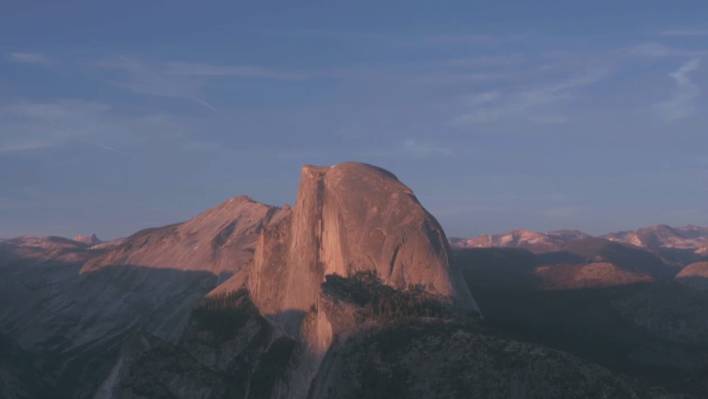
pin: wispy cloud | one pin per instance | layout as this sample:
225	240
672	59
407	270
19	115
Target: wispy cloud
153	79
533	104
487	61
240	71
25	145
682	103
685	32
30	126
36	126
28	58
183	80
399	39
462	39
654	49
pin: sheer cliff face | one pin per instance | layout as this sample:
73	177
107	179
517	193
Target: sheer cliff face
350	218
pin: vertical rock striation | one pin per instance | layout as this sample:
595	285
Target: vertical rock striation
350	218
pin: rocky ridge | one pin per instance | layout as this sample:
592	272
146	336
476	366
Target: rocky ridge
220	240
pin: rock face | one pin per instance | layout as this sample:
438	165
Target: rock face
351	218
220	240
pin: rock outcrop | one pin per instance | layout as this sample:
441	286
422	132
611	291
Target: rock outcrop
351	218
88	239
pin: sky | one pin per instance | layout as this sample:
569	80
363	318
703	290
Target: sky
116	116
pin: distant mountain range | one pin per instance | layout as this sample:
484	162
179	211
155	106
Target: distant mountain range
521	238
661	239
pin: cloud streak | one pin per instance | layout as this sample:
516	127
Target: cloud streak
685	32
28	58
682	103
28	126
183	80
153	80
659	50
38	126
537	105
239	71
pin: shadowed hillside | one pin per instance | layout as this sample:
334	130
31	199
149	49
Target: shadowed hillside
654	331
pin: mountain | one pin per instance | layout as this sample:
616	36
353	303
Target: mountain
94	315
678	246
347	219
579	263
663	236
220	240
353	291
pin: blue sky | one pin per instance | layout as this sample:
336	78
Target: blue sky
115	116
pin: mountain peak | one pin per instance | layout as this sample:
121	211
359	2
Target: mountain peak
220	239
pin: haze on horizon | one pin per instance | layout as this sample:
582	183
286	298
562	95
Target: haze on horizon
542	116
